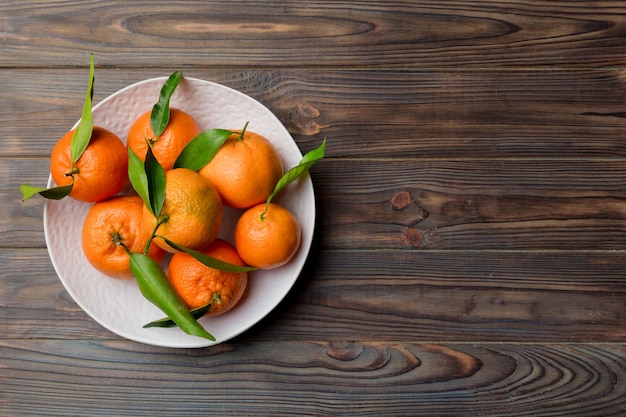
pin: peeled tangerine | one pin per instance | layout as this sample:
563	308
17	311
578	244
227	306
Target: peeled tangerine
267	240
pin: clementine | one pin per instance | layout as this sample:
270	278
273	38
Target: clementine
244	170
180	130
192	211
270	240
109	225
100	172
199	285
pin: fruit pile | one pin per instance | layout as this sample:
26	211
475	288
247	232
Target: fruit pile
182	178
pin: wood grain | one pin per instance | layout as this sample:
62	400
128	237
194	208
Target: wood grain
381	295
120	377
444	114
471	210
367	34
481	204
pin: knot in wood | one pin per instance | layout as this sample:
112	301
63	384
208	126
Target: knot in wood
413	238
302	116
344	351
400	200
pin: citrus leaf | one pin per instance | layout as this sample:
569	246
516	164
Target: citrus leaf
160	115
156	183
305	164
201	150
138	178
54	193
82	134
156	288
167	322
209	261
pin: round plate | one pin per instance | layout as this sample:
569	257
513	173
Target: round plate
117	304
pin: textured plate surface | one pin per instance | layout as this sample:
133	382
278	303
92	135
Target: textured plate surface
118	305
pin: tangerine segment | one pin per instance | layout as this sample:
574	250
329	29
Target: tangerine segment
109	225
191	214
198	284
244	170
270	241
100	172
180	130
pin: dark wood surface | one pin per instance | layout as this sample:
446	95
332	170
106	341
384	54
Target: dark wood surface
469	251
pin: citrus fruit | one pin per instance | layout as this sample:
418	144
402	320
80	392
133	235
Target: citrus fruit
198	284
100	172
180	130
268	241
109	223
244	170
192	212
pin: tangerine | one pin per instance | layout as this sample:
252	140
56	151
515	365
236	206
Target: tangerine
180	130
270	240
192	211
99	173
244	170
199	285
109	225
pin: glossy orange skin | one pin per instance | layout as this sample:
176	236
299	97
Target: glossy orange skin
180	130
100	172
119	219
268	242
193	209
244	171
198	284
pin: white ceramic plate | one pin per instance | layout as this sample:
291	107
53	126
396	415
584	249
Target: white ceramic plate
117	304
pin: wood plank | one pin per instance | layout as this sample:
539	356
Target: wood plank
383	113
496	33
467	204
316	377
529	204
380	295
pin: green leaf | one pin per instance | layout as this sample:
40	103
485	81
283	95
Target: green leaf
54	193
138	178
167	322
82	134
156	288
201	150
305	164
160	115
209	261
156	183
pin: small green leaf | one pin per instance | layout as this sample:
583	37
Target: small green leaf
305	164
82	134
138	178
54	193
160	115
201	150
209	261
156	183
167	322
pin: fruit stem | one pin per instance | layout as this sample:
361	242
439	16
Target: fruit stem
74	170
243	131
215	298
159	222
117	239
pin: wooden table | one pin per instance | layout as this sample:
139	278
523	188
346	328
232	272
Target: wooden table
469	253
